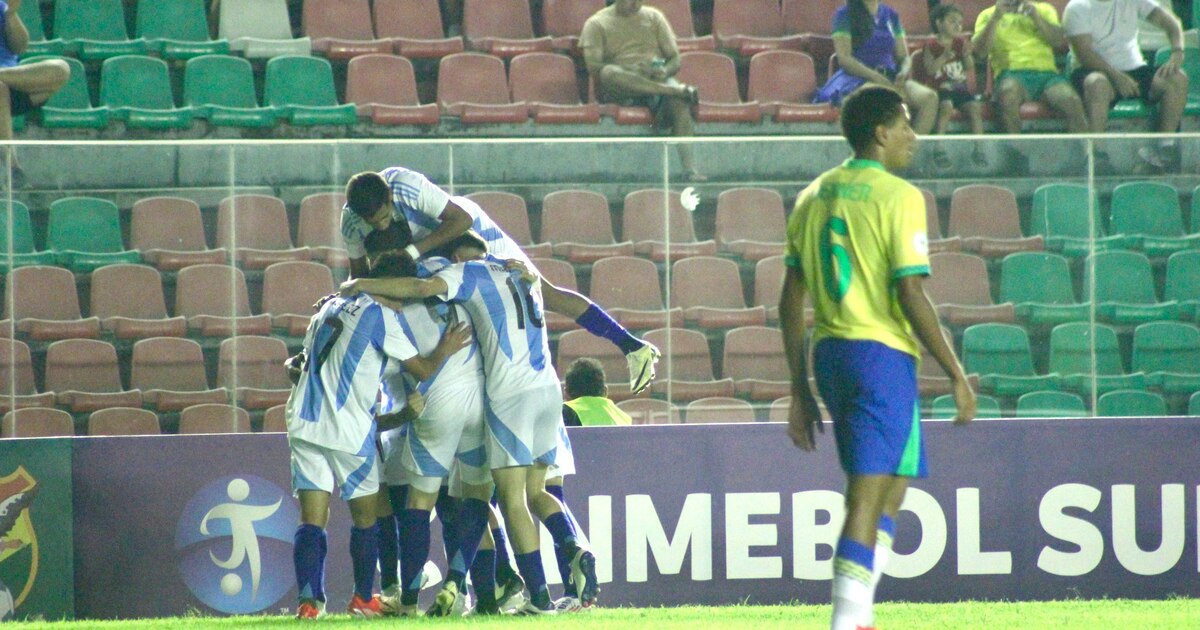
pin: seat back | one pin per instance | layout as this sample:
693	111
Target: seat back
956	278
1131	403
253	221
933	216
135	81
914	16
321	219
718	409
86	365
613	284
218	290
509	19
74	93
566	17
560	273
678	14
768	281
1063	210
275	420
706	281
508	211
810	16
84	224
997	349
382	79
219	80
1183	277
755	352
341	19
168	363
1073	346
471	78
984	210
1036	277
1051	405
576	216
781	76
647	212
134	291
291	288
265	19
22	228
123	421
297	80
943	407
758	18
16	369
416	19
102	20
541	77
1120	277
686	356
650	411
37	422
252	361
713	74
41	292
169	223
1166	347
182	20
213	418
576	344
750	214
1150	208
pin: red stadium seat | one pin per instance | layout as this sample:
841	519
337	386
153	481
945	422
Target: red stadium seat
213	418
474	87
563	20
561	274
415	28
341	29
710	291
171	374
320	228
37	422
547	82
754	359
83	374
501	27
914	16
809	16
645	220
958	286
255	229
216	303
768	284
17	388
384	88
783	83
252	367
289	291
715	77
751	26
679	16
650	411
718	409
987	219
43	302
629	290
512	215
275	420
170	233
751	223
123	421
933	223
685	371
129	301
578	224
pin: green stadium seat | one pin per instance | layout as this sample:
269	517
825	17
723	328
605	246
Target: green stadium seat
1039	286
71	106
95	29
1183	283
1124	289
1131	403
138	91
1150	212
1061	214
177	29
302	87
1169	353
1072	347
1000	354
85	233
1194	405
221	89
23	252
1191	66
31	15
1051	405
1195	210
986	407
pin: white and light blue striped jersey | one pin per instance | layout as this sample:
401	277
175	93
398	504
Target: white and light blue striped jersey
352	345
509	321
415	199
423	324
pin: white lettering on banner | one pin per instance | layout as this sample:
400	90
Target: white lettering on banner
972	560
1070	529
741	535
644	531
1125	528
808	534
933	536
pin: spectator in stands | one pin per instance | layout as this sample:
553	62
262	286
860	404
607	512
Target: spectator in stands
586	402
630	53
871	48
946	59
1109	66
23	88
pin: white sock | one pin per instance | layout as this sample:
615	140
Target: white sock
851	603
883	553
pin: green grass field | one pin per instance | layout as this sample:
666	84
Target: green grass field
1063	615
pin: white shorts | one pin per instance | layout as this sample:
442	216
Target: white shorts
564	457
452	423
523	428
391	443
318	468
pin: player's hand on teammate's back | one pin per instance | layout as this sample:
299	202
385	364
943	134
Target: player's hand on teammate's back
295	366
454	339
964	401
803	416
526	273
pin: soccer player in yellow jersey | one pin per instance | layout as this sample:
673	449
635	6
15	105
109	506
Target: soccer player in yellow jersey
857	243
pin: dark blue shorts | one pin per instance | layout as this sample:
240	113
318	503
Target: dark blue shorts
870	390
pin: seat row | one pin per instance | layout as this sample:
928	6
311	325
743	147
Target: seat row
204	418
1059	404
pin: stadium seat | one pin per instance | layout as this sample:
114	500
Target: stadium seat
17	388
1182	285
811	16
958	286
289	291
1195	207
84	376
137	91
384	89
474	87
512	215
644	221
259	29
1124	289
71	106
501	27
216	303
1070	222
1088	358
123	421
39	45
578	224
254	228
1131	403
1194	405
177	29
751	26
220	88
576	344
302	88
914	16
1000	354
341	29
986	217
932	380
43	304
95	29
85	233
275	420
754	359
783	83
679	16
685	371
169	233
943	408
171	374
1039	285
750	223
37	422
768	283
252	367
1051	404
130	303
561	274
715	77
548	84
650	411
213	418
709	290
1169	354
637	305
718	410
778	412
563	21
319	228
414	28
21	253
1150	213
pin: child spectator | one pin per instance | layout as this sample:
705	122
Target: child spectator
946	59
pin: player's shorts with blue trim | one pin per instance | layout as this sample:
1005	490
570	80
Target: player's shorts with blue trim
870	390
523	429
351	475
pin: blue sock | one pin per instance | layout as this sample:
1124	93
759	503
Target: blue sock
447	512
398	497
483	576
308	553
414	552
530	566
471	521
562	554
388	557
601	324
364	553
504	568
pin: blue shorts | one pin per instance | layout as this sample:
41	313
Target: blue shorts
870	390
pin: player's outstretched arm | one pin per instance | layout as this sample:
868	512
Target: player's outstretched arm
803	414
395	288
920	313
454	339
454	222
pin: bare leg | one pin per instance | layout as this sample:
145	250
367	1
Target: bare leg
974	111
1097	96
314	507
1062	97
362	511
1171	94
1009	96
617	79
945	111
925	101
510	483
682	125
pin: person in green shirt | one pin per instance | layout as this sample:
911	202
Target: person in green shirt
587	403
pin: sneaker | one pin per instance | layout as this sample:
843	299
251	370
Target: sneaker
511	594
528	608
583	576
310	609
389	600
941	160
363	608
449	602
979	159
489	609
568	604
1157	158
641	366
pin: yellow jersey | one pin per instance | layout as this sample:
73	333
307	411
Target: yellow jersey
854	232
1017	44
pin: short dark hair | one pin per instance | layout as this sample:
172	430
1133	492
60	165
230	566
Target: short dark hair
470	238
939	12
396	237
865	109
393	265
365	192
585	377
